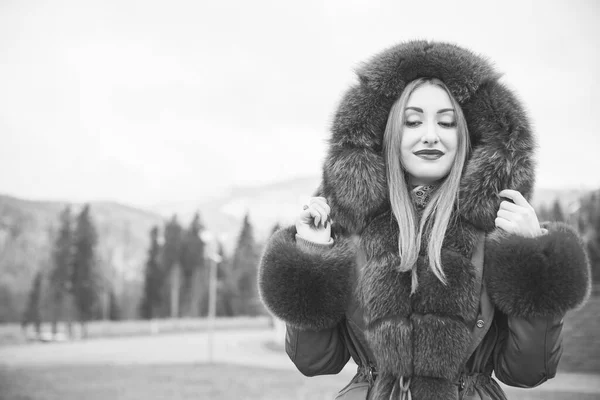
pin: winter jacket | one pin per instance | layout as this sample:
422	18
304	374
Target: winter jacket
351	300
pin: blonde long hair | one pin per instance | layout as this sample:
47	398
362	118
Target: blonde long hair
436	215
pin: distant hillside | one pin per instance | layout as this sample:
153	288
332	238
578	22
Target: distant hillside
26	231
269	204
568	198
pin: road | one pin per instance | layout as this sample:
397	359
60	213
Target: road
242	347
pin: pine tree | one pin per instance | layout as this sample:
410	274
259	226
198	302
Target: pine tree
85	277
32	311
194	281
227	290
557	212
61	271
153	279
542	213
244	270
170	263
114	312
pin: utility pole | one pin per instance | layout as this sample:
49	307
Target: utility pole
213	259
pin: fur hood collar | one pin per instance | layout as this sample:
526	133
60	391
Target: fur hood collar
354	179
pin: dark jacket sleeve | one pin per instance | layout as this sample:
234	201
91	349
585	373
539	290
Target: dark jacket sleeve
528	350
316	352
307	290
533	282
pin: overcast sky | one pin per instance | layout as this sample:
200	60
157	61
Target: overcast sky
150	102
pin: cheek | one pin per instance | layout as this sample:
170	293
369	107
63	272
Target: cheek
405	147
410	137
453	141
450	161
450	142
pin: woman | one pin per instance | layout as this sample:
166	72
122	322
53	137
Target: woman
420	256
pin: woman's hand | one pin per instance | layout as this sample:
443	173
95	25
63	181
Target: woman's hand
518	218
314	223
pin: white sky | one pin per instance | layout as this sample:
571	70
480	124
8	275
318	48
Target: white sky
149	102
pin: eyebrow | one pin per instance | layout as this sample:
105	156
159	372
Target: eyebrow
417	109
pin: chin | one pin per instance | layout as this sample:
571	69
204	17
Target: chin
428	178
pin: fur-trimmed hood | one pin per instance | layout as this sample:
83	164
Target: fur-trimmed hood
354	178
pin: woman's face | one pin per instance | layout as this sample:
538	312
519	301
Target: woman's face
429	135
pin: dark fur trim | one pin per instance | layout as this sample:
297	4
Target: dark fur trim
460	69
309	291
440	345
427	333
502	156
426	388
391	341
457	298
460	237
379	277
367	186
537	277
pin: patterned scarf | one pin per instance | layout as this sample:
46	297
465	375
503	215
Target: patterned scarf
421	195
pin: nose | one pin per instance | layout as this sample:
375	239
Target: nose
430	136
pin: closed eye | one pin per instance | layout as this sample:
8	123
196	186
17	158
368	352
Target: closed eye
412	124
447	124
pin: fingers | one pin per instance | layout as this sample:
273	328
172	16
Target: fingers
516	211
509	216
518	218
515	196
504	224
317	212
508	206
317	216
311	215
323	214
322	201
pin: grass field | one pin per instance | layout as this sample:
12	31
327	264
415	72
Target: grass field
12	333
581	333
581	339
183	382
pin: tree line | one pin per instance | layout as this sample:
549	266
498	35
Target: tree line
176	280
73	279
175	275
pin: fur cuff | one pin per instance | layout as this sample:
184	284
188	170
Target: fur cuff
537	277
308	290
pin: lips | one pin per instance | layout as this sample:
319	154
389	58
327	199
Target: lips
429	154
